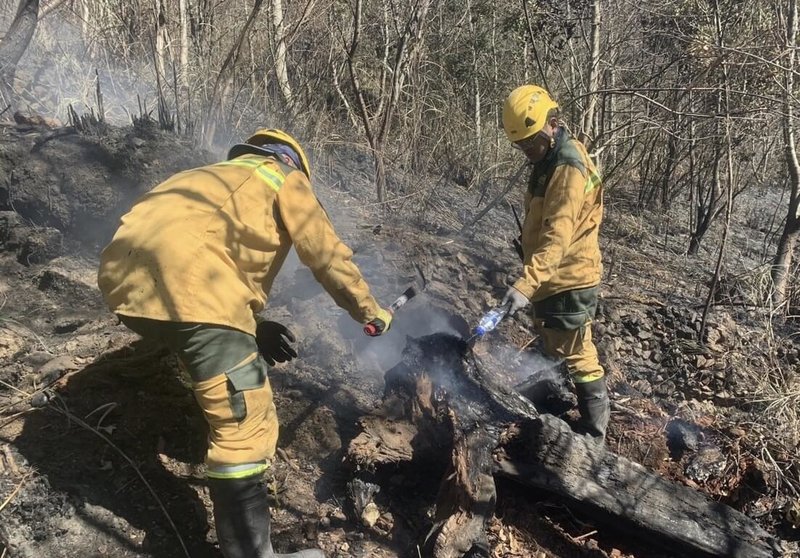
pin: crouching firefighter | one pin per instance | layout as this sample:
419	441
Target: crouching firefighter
560	249
192	264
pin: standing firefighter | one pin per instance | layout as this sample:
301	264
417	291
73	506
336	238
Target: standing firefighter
192	264
561	254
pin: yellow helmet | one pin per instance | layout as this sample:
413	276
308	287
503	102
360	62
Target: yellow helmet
525	111
265	136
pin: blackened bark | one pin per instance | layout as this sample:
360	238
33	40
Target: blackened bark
439	402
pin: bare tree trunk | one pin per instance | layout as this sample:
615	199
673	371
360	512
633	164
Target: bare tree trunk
476	87
50	7
161	40
85	25
476	113
281	72
670	163
384	64
184	50
731	186
333	64
13	46
524	63
611	118
783	255
405	48
708	200
184	19
496	87
363	113
706	204
181	83
223	81
588	132
693	180
531	35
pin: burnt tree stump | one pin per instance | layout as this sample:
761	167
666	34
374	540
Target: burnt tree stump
438	400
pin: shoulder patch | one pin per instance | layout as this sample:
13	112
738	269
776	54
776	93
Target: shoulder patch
271	177
570	154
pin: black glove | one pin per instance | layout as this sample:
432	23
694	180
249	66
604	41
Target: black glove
271	338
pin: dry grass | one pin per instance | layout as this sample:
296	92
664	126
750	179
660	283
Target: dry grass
15	491
632	242
774	397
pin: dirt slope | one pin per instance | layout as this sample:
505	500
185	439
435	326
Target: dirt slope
108	460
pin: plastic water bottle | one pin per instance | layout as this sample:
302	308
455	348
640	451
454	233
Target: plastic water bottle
490	320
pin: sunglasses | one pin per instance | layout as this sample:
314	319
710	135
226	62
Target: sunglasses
531	142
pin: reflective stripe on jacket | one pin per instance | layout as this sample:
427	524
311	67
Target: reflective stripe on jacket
205	246
563	211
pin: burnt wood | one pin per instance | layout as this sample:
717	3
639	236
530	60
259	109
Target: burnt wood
438	399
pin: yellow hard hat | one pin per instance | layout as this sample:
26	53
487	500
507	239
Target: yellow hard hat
525	111
269	135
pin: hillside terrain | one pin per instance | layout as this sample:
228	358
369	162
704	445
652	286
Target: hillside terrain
102	444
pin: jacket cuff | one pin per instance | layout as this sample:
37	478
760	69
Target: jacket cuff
522	286
371	312
385	316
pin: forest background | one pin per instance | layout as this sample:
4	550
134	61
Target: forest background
688	103
688	108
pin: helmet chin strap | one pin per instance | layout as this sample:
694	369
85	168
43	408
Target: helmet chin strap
288	160
283	152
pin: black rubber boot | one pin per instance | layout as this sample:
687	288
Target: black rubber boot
594	407
241	513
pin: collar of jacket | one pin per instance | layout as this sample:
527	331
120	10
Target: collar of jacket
552	154
537	181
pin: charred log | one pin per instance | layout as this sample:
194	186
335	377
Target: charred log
439	399
439	393
545	453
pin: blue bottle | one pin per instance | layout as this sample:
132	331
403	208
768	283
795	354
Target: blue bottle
490	320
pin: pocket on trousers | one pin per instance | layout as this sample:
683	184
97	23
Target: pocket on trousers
561	343
568	310
244	384
566	320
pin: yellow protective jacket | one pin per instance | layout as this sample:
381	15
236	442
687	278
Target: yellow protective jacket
205	246
563	210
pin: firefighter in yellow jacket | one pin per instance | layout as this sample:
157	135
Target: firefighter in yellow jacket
560	249
192	264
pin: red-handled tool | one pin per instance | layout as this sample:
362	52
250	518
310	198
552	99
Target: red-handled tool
372	329
376	326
